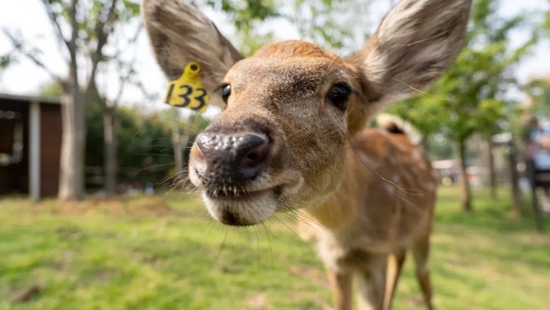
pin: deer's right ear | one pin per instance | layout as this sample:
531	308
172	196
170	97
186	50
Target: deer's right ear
179	33
412	48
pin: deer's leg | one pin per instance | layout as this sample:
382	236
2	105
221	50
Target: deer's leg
341	285
421	251
395	265
372	283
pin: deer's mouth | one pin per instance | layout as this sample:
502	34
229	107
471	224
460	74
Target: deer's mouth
239	207
239	194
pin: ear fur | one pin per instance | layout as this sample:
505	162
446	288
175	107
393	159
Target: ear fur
416	42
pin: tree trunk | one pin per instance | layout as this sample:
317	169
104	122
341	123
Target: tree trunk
465	198
491	165
71	178
110	152
176	143
514	179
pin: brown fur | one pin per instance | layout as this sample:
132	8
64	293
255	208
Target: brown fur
365	196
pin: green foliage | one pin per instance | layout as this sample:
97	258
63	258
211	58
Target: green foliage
247	16
328	23
439	148
248	45
91	13
316	23
6	60
332	24
144	150
51	90
545	25
165	253
539	92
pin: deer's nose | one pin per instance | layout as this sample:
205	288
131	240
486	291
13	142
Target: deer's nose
232	158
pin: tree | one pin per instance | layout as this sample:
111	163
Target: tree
314	21
538	91
329	23
127	76
82	28
247	16
545	25
54	90
6	61
471	97
144	140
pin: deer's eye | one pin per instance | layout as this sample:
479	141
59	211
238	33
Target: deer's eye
226	91
339	95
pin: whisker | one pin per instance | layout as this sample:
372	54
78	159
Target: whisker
196	130
424	92
269	240
257	247
304	219
205	119
153	154
222	246
297	236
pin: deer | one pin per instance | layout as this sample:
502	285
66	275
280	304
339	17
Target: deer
293	137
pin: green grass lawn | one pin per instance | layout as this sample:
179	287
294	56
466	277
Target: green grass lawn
166	253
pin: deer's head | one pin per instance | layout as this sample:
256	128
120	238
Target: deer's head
292	107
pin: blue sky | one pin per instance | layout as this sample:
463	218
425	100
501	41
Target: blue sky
29	17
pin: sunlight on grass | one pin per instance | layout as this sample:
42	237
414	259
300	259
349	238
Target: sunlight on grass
166	253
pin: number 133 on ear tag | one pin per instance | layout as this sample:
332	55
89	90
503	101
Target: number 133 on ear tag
187	91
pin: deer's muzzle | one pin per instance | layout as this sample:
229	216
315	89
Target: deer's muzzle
231	159
241	171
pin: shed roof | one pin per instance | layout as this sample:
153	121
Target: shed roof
52	100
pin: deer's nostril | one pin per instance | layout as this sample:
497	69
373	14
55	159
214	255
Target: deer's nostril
253	156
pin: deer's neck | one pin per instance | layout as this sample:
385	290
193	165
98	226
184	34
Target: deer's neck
340	208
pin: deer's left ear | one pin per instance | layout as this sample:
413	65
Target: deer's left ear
179	33
416	42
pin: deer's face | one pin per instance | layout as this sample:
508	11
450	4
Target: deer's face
280	142
291	108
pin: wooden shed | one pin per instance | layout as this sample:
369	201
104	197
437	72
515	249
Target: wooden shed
30	145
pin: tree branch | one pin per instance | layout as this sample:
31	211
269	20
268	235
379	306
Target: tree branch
72	46
74	29
103	29
126	78
55	22
130	42
19	46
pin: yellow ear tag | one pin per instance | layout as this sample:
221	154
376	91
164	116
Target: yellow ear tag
187	91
